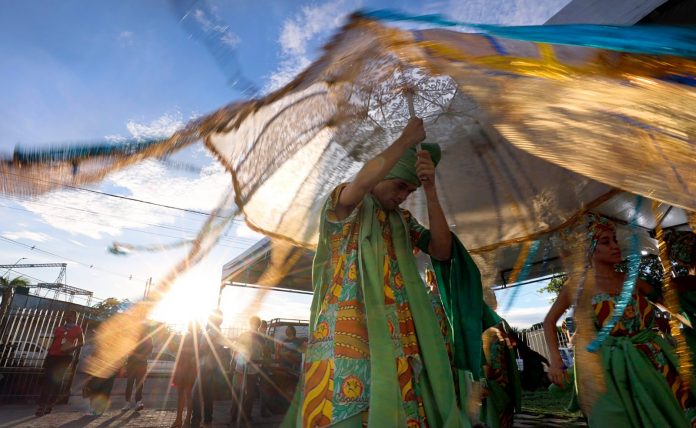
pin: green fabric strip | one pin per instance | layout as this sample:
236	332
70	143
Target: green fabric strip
293	417
385	395
459	283
432	345
495	404
637	395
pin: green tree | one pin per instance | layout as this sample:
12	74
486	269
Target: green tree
554	286
109	307
649	270
8	287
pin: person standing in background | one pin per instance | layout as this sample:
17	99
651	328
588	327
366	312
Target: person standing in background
290	350
136	370
61	354
247	361
210	354
185	376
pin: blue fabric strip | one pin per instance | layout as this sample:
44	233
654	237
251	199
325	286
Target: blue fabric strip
75	153
496	45
524	271
643	39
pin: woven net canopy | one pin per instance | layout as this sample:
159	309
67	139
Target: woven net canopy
535	131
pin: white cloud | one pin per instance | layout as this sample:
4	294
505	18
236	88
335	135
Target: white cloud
152	181
126	38
299	32
78	243
162	127
524	317
115	138
314	23
222	32
241	230
93	215
27	235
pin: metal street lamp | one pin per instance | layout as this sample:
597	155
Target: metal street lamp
15	264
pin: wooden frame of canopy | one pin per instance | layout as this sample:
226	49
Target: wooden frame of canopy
248	267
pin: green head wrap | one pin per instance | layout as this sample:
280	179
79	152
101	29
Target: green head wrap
405	168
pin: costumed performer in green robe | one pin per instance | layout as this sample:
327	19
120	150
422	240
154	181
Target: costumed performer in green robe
375	354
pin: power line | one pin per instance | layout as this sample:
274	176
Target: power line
107	194
239	247
18	199
243	242
148	202
21	177
48	290
35	248
113	195
21	274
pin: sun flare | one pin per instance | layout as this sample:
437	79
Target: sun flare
192	297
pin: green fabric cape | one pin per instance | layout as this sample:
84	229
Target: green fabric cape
459	283
436	382
636	394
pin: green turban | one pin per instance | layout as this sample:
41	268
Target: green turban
405	168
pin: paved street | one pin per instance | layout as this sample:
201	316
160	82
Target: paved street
160	410
160	405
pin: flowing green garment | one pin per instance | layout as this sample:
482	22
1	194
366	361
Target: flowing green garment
498	401
459	283
436	382
503	398
636	394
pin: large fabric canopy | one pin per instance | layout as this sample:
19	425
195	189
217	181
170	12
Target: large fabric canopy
533	135
537	126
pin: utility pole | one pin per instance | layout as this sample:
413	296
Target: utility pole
148	284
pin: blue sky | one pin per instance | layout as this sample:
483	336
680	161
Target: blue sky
82	71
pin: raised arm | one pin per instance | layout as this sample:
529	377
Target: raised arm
557	373
440	246
376	169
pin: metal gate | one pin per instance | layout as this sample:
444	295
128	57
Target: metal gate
537	341
24	341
